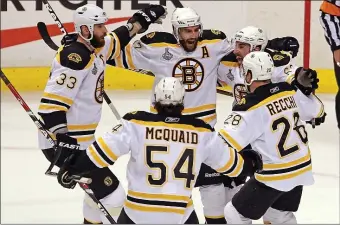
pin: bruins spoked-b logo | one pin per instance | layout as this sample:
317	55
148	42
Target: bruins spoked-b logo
191	73
108	181
98	94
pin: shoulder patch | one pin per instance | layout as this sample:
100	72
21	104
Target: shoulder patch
213	34
261	94
280	58
247	102
137	44
75	56
159	37
134	115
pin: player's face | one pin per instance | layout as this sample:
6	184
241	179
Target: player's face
99	33
241	50
188	37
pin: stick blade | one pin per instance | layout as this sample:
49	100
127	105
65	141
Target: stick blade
46	36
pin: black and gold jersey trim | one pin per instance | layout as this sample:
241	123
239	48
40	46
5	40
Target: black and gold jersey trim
83	132
152	202
157	202
263	95
115	47
54	102
182	122
230	140
101	153
75	56
234	165
207	113
280	58
213	34
54	121
159	38
283	171
230	60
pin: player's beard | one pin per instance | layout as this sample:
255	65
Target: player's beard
98	42
239	59
189	45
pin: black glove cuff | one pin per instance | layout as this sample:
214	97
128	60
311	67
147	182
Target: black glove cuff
69	38
123	35
81	163
252	162
141	20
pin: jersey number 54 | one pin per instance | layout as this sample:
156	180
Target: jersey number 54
182	169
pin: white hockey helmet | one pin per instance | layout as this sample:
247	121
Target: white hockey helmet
260	64
253	36
169	90
185	17
88	15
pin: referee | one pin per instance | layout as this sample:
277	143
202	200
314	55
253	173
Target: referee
330	21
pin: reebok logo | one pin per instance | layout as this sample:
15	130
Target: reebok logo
212	174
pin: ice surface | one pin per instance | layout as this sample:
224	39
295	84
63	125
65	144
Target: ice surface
28	196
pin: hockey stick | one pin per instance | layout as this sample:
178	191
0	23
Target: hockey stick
82	181
107	99
101	207
38	123
46	36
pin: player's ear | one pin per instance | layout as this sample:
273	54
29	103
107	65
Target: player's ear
249	76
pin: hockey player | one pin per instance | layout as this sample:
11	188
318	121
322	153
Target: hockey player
189	53
167	150
247	40
252	39
192	55
72	100
270	119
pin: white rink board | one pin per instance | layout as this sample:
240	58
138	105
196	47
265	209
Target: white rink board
28	196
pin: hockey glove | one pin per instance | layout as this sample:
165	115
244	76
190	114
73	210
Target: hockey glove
317	121
288	44
149	15
65	172
67	145
306	80
252	162
69	38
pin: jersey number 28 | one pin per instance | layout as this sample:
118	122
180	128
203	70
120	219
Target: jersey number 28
183	168
287	127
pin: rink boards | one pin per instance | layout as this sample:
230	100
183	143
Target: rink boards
34	79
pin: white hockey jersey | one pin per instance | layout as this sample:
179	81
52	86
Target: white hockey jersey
75	88
160	53
166	156
230	72
270	120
